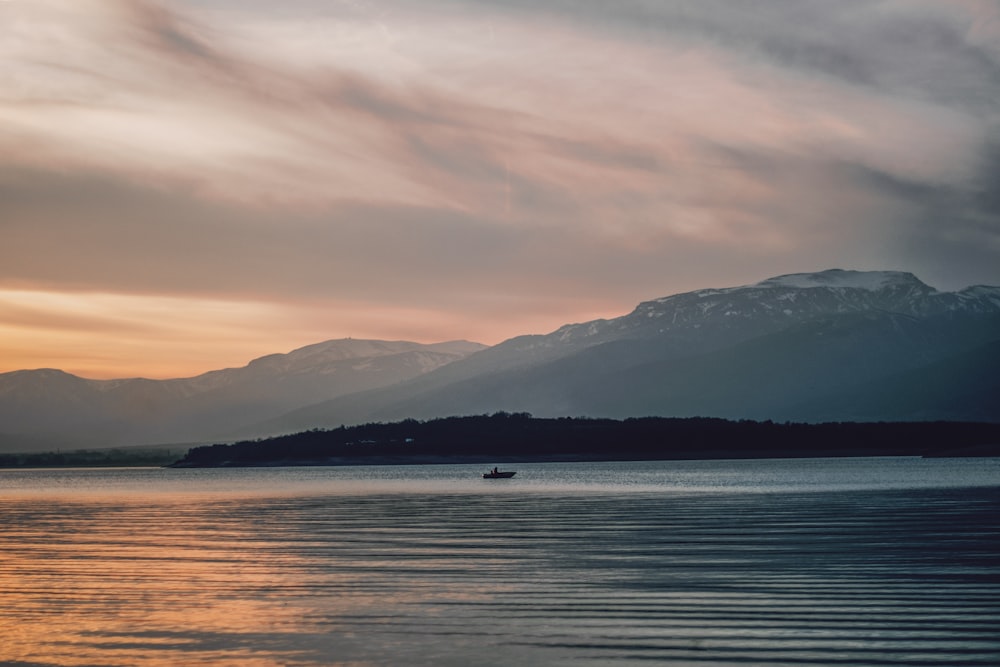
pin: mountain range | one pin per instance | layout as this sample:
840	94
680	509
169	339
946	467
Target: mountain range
829	346
49	409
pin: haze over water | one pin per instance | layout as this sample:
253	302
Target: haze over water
794	562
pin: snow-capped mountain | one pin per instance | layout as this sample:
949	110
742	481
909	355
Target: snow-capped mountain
778	302
789	347
50	408
701	320
828	346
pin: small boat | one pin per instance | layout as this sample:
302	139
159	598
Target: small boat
499	474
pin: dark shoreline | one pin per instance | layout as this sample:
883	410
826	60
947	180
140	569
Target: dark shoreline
118	457
500	460
509	438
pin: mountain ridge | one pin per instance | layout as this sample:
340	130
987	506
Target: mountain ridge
52	408
787	347
517	374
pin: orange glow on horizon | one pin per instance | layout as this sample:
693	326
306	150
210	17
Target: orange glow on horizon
187	186
111	336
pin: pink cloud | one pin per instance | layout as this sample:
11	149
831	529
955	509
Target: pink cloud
466	168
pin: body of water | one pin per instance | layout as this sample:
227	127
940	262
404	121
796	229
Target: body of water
793	562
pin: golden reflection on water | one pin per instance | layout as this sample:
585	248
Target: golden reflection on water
149	576
203	581
97	583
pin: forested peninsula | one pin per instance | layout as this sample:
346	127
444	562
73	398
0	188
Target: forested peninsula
505	437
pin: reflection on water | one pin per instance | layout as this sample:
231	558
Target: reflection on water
891	562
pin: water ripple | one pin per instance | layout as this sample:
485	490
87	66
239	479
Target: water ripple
551	576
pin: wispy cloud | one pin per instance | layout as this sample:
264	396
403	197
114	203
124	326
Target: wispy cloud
483	168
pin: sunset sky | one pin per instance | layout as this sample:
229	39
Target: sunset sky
188	184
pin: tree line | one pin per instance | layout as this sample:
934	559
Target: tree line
520	436
89	458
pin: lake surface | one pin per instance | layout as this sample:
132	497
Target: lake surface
788	562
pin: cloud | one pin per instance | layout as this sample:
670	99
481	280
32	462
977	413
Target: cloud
919	47
951	230
483	168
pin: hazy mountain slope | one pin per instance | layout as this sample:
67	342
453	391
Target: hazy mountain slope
38	408
275	384
817	346
963	386
46	408
697	322
705	319
753	351
778	375
769	377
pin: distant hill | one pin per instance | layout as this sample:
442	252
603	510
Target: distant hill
520	437
50	409
829	346
835	345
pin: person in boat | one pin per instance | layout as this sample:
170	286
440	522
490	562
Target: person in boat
495	470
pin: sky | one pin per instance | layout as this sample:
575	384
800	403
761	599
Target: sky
186	185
